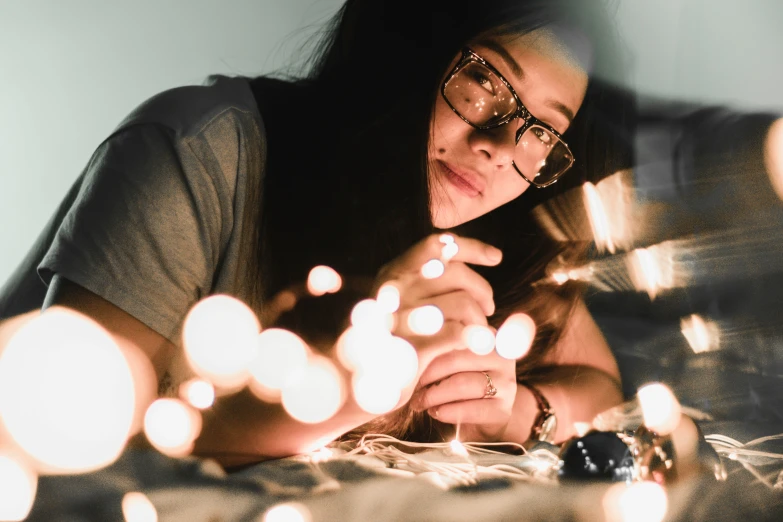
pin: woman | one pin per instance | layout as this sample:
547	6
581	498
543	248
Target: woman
242	186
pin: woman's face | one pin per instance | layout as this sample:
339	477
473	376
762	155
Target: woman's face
471	171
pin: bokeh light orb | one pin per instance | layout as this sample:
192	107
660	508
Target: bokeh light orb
220	335
198	393
375	393
280	353
136	507
479	339
289	512
368	314
425	320
388	298
323	280
660	408
18	484
314	392
644	501
67	393
433	269
172	426
515	336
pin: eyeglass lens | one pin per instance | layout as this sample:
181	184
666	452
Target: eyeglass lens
480	97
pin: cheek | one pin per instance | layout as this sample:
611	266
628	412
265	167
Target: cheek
447	129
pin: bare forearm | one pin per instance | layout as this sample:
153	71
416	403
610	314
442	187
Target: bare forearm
576	394
241	429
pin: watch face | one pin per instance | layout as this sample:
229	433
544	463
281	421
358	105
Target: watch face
548	428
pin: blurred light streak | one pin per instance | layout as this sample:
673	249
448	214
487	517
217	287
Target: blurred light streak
702	335
660	408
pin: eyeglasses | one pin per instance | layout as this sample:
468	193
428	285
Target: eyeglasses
479	94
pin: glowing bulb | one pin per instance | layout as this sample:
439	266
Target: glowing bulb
323	280
136	507
449	251
219	336
702	336
599	221
399	360
581	428
388	298
369	314
354	345
457	448
433	269
291	512
280	354
171	426
425	320
67	392
198	393
314	392
479	339
515	336
374	393
640	502
18	484
446	239
660	408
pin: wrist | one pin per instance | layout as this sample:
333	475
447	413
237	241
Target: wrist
544	426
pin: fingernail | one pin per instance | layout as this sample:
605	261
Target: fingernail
494	254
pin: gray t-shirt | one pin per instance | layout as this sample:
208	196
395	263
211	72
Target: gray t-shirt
155	221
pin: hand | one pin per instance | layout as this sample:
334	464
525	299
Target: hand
453	390
460	293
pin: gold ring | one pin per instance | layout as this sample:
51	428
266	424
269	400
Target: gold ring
490	390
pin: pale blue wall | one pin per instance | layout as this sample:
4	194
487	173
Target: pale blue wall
69	71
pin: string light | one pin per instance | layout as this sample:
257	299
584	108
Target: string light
314	392
323	280
67	392
660	408
515	336
198	393
702	335
18	484
599	221
450	248
220	335
425	320
375	393
370	315
388	298
136	507
433	269
172	426
280	354
289	512
640	502
479	339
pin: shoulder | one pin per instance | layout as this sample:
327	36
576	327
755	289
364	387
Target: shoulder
190	111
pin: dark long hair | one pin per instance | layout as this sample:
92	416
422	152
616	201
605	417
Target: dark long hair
347	144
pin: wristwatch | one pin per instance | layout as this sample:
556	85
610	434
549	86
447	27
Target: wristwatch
545	423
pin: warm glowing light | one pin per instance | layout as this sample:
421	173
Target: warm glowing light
280	354
702	335
515	336
321	455
291	512
640	502
581	428
560	277
370	315
67	393
599	221
219	336
457	448
374	393
449	251
18	484
354	345
651	269
425	320
433	269
323	280
479	339
136	507
171	426
198	393
446	239
399	360
660	408
388	298
314	392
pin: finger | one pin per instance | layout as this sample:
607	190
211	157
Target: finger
468	250
455	306
457	387
457	276
472	411
465	361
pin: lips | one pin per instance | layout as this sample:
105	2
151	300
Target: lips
469	183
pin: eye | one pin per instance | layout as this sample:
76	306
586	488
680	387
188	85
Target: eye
542	135
483	80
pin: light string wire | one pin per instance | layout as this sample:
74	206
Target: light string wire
748	458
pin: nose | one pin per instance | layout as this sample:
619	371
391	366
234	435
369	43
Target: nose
497	146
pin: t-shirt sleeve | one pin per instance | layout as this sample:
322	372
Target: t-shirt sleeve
145	231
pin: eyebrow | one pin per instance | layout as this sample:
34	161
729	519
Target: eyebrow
516	69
